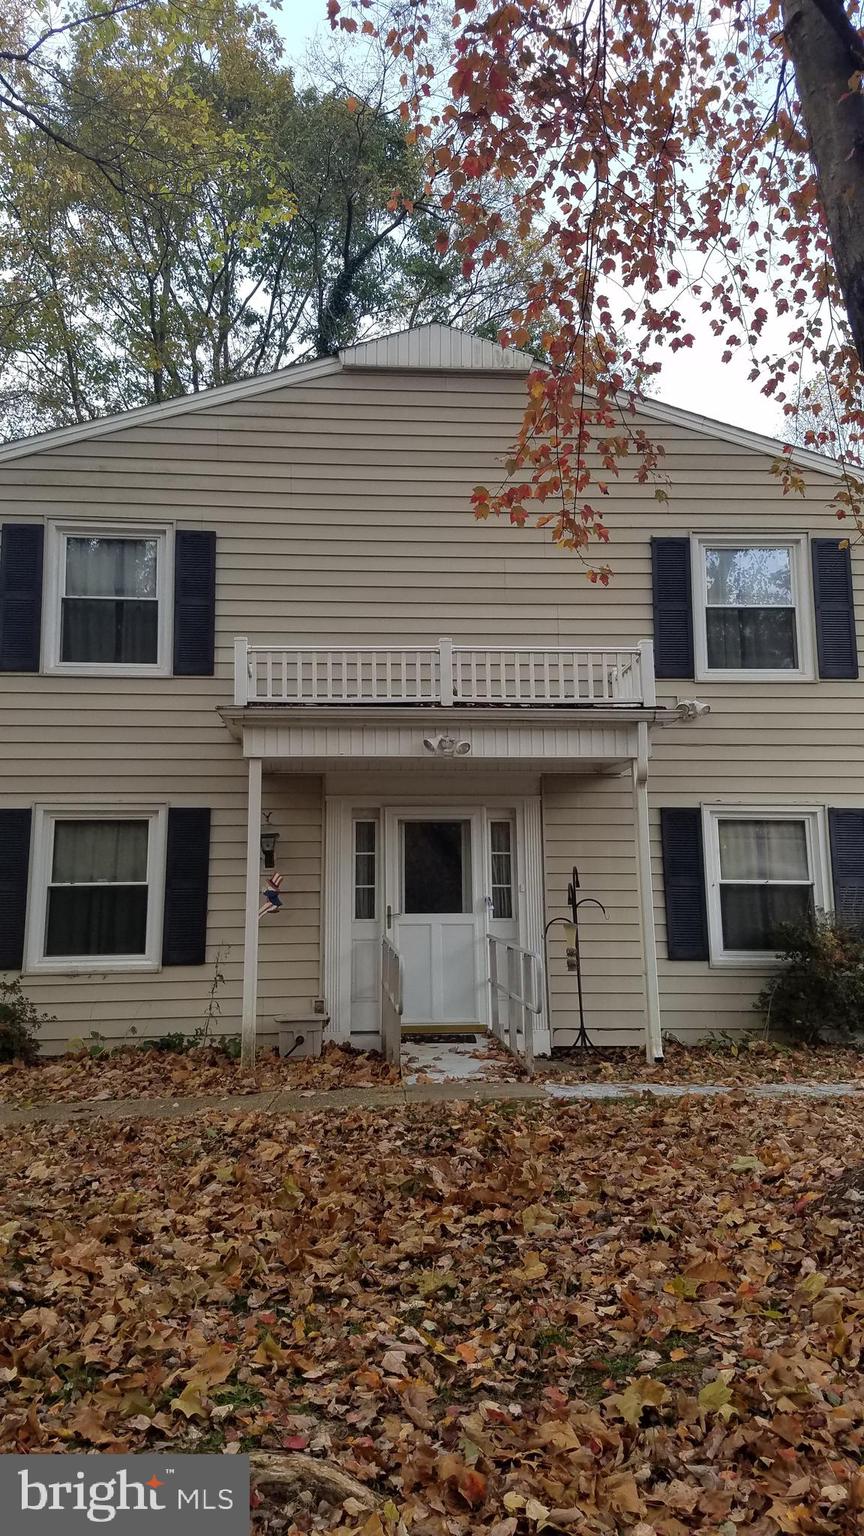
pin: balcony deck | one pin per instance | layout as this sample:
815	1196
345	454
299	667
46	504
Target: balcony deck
444	674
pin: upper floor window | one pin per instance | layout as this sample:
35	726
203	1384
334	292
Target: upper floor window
108	609
752	607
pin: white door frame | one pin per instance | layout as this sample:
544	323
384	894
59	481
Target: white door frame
338	884
392	818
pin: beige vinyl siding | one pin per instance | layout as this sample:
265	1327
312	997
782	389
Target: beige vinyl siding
588	822
142	1005
341	505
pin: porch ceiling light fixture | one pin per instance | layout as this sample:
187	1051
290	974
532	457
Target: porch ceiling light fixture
269	839
446	746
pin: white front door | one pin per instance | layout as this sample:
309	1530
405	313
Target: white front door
435	912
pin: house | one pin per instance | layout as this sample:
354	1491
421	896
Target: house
266	613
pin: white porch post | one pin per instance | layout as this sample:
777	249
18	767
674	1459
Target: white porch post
530	830
253	900
241	671
653	1031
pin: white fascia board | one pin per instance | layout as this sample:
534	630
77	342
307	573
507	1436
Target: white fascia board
143	415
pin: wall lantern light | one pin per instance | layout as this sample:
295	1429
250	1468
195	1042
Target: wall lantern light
269	839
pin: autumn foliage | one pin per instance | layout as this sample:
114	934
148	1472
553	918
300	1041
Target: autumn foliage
659	150
615	1320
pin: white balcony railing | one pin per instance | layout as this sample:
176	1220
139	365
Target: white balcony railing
444	674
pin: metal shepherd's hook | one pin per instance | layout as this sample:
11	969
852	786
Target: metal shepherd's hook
582	1040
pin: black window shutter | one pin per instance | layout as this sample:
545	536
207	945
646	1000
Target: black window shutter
673	607
684	884
836	644
21	548
194	602
14	865
846	830
187	873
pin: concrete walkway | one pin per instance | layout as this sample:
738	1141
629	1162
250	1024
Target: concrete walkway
309	1102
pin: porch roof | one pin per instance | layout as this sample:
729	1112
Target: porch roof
303	739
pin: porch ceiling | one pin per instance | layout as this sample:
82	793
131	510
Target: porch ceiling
314	739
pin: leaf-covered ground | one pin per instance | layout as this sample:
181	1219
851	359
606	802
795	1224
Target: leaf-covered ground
133	1073
749	1061
148	1074
627	1317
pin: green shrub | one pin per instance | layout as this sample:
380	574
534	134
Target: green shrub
819	993
20	1020
174	1042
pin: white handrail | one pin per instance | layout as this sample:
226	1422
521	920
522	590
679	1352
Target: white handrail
444	674
522	987
392	994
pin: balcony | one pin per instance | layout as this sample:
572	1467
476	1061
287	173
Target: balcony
443	675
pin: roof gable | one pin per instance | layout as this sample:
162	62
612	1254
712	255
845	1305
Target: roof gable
436	347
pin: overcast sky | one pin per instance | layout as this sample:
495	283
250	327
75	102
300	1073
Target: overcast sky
695	380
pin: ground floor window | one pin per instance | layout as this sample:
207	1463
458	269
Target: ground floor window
97	889
765	869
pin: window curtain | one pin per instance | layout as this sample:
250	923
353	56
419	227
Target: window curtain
753	914
751	639
111	567
763	850
89	851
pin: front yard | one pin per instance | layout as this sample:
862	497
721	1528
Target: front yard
640	1318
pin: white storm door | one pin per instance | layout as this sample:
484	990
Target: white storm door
435	913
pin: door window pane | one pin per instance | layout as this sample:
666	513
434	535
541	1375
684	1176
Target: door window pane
109	607
750	620
501	836
98	893
436	876
364	868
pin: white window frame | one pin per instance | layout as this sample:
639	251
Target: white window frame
816	830
802	598
55	569
45	819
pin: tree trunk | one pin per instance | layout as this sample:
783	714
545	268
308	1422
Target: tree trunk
827	51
